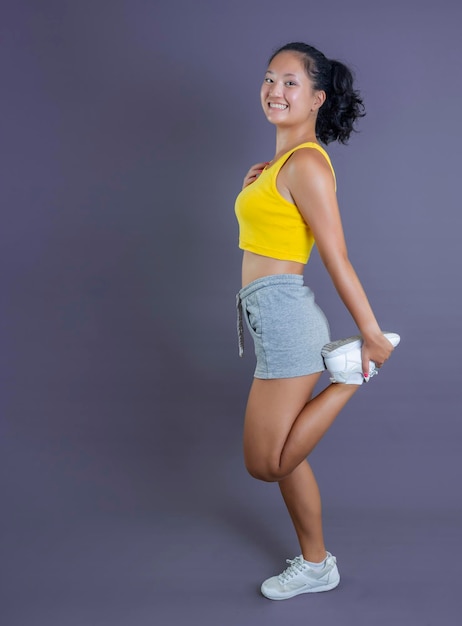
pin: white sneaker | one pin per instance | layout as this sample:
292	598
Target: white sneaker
343	359
299	578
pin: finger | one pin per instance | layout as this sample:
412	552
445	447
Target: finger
257	173
258	168
365	364
254	173
250	178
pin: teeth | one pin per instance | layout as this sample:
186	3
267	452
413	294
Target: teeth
278	106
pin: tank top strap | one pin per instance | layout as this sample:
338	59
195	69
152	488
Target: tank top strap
309	144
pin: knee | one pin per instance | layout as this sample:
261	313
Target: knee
263	471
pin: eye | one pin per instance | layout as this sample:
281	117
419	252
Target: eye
290	83
268	80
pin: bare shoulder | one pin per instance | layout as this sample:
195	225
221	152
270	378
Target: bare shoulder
311	166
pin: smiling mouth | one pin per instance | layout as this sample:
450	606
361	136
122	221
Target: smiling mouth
274	105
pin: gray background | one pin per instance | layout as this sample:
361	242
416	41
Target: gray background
126	129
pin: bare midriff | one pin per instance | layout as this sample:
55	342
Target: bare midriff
257	266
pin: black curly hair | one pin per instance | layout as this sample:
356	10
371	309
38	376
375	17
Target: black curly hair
343	105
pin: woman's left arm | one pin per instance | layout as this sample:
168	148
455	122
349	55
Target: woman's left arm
311	184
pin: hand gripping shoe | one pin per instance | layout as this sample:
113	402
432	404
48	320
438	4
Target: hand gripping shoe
343	359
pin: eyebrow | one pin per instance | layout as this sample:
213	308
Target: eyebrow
288	74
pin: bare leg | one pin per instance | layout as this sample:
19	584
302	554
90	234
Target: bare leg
301	496
282	425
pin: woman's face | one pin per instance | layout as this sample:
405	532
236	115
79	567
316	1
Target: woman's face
287	94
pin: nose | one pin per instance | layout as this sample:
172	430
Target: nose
276	90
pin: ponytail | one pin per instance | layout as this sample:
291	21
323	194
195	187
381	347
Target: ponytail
343	105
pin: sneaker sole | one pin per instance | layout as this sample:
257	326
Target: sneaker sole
299	592
345	345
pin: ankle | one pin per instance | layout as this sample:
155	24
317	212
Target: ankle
314	556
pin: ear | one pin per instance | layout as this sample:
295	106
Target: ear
319	99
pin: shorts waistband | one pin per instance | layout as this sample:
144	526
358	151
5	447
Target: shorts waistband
270	281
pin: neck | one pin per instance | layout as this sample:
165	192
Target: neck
286	139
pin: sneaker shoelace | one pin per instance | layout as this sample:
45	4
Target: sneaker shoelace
295	567
372	373
352	370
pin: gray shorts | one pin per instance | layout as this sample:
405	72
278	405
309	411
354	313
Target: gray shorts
287	326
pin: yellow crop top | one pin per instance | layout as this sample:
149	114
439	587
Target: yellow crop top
269	224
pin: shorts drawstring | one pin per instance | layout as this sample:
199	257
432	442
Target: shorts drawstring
240	326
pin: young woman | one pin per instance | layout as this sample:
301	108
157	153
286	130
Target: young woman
285	206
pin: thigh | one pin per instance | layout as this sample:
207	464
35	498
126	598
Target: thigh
272	408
